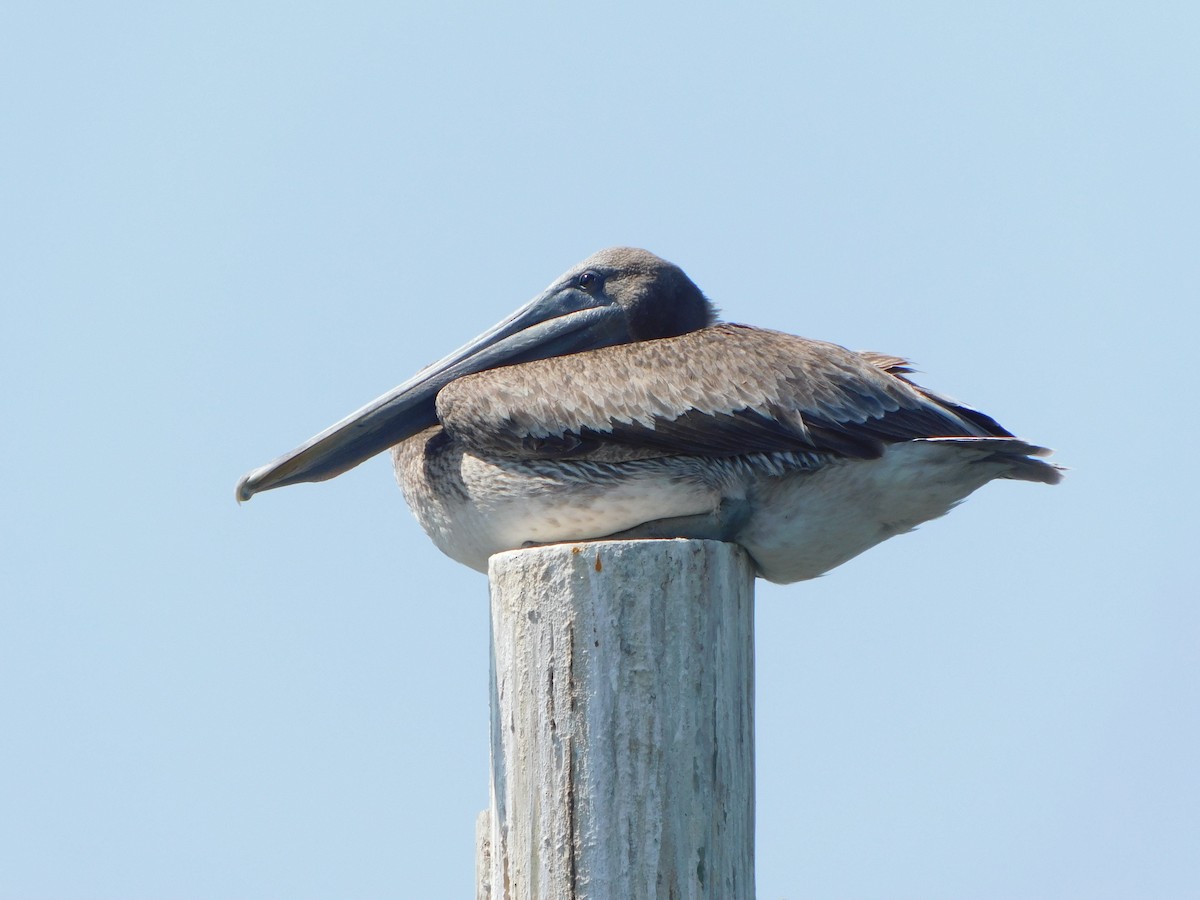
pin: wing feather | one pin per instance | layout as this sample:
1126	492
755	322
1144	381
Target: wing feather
726	390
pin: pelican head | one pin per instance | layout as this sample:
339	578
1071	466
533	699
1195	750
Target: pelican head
617	296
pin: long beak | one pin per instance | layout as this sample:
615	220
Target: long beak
562	320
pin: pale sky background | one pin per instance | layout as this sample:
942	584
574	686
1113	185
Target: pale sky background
225	225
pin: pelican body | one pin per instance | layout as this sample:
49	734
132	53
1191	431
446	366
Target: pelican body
616	405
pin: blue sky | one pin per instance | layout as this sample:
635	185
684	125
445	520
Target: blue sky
227	225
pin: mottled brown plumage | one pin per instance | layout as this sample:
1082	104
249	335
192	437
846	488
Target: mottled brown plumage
725	390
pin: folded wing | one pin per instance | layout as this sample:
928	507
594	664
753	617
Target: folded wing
726	390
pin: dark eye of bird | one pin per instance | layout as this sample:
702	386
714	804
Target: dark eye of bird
589	281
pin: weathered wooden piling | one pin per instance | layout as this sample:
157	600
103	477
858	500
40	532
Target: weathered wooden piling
622	705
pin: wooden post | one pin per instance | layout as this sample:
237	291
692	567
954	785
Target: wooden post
622	723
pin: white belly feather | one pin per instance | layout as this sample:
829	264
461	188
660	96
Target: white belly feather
804	521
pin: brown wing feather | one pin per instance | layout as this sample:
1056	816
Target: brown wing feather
726	390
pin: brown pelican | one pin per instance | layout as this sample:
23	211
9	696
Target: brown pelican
616	405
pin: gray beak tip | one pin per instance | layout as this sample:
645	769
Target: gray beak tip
244	491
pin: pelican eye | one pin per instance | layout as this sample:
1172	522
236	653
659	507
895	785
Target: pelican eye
588	281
